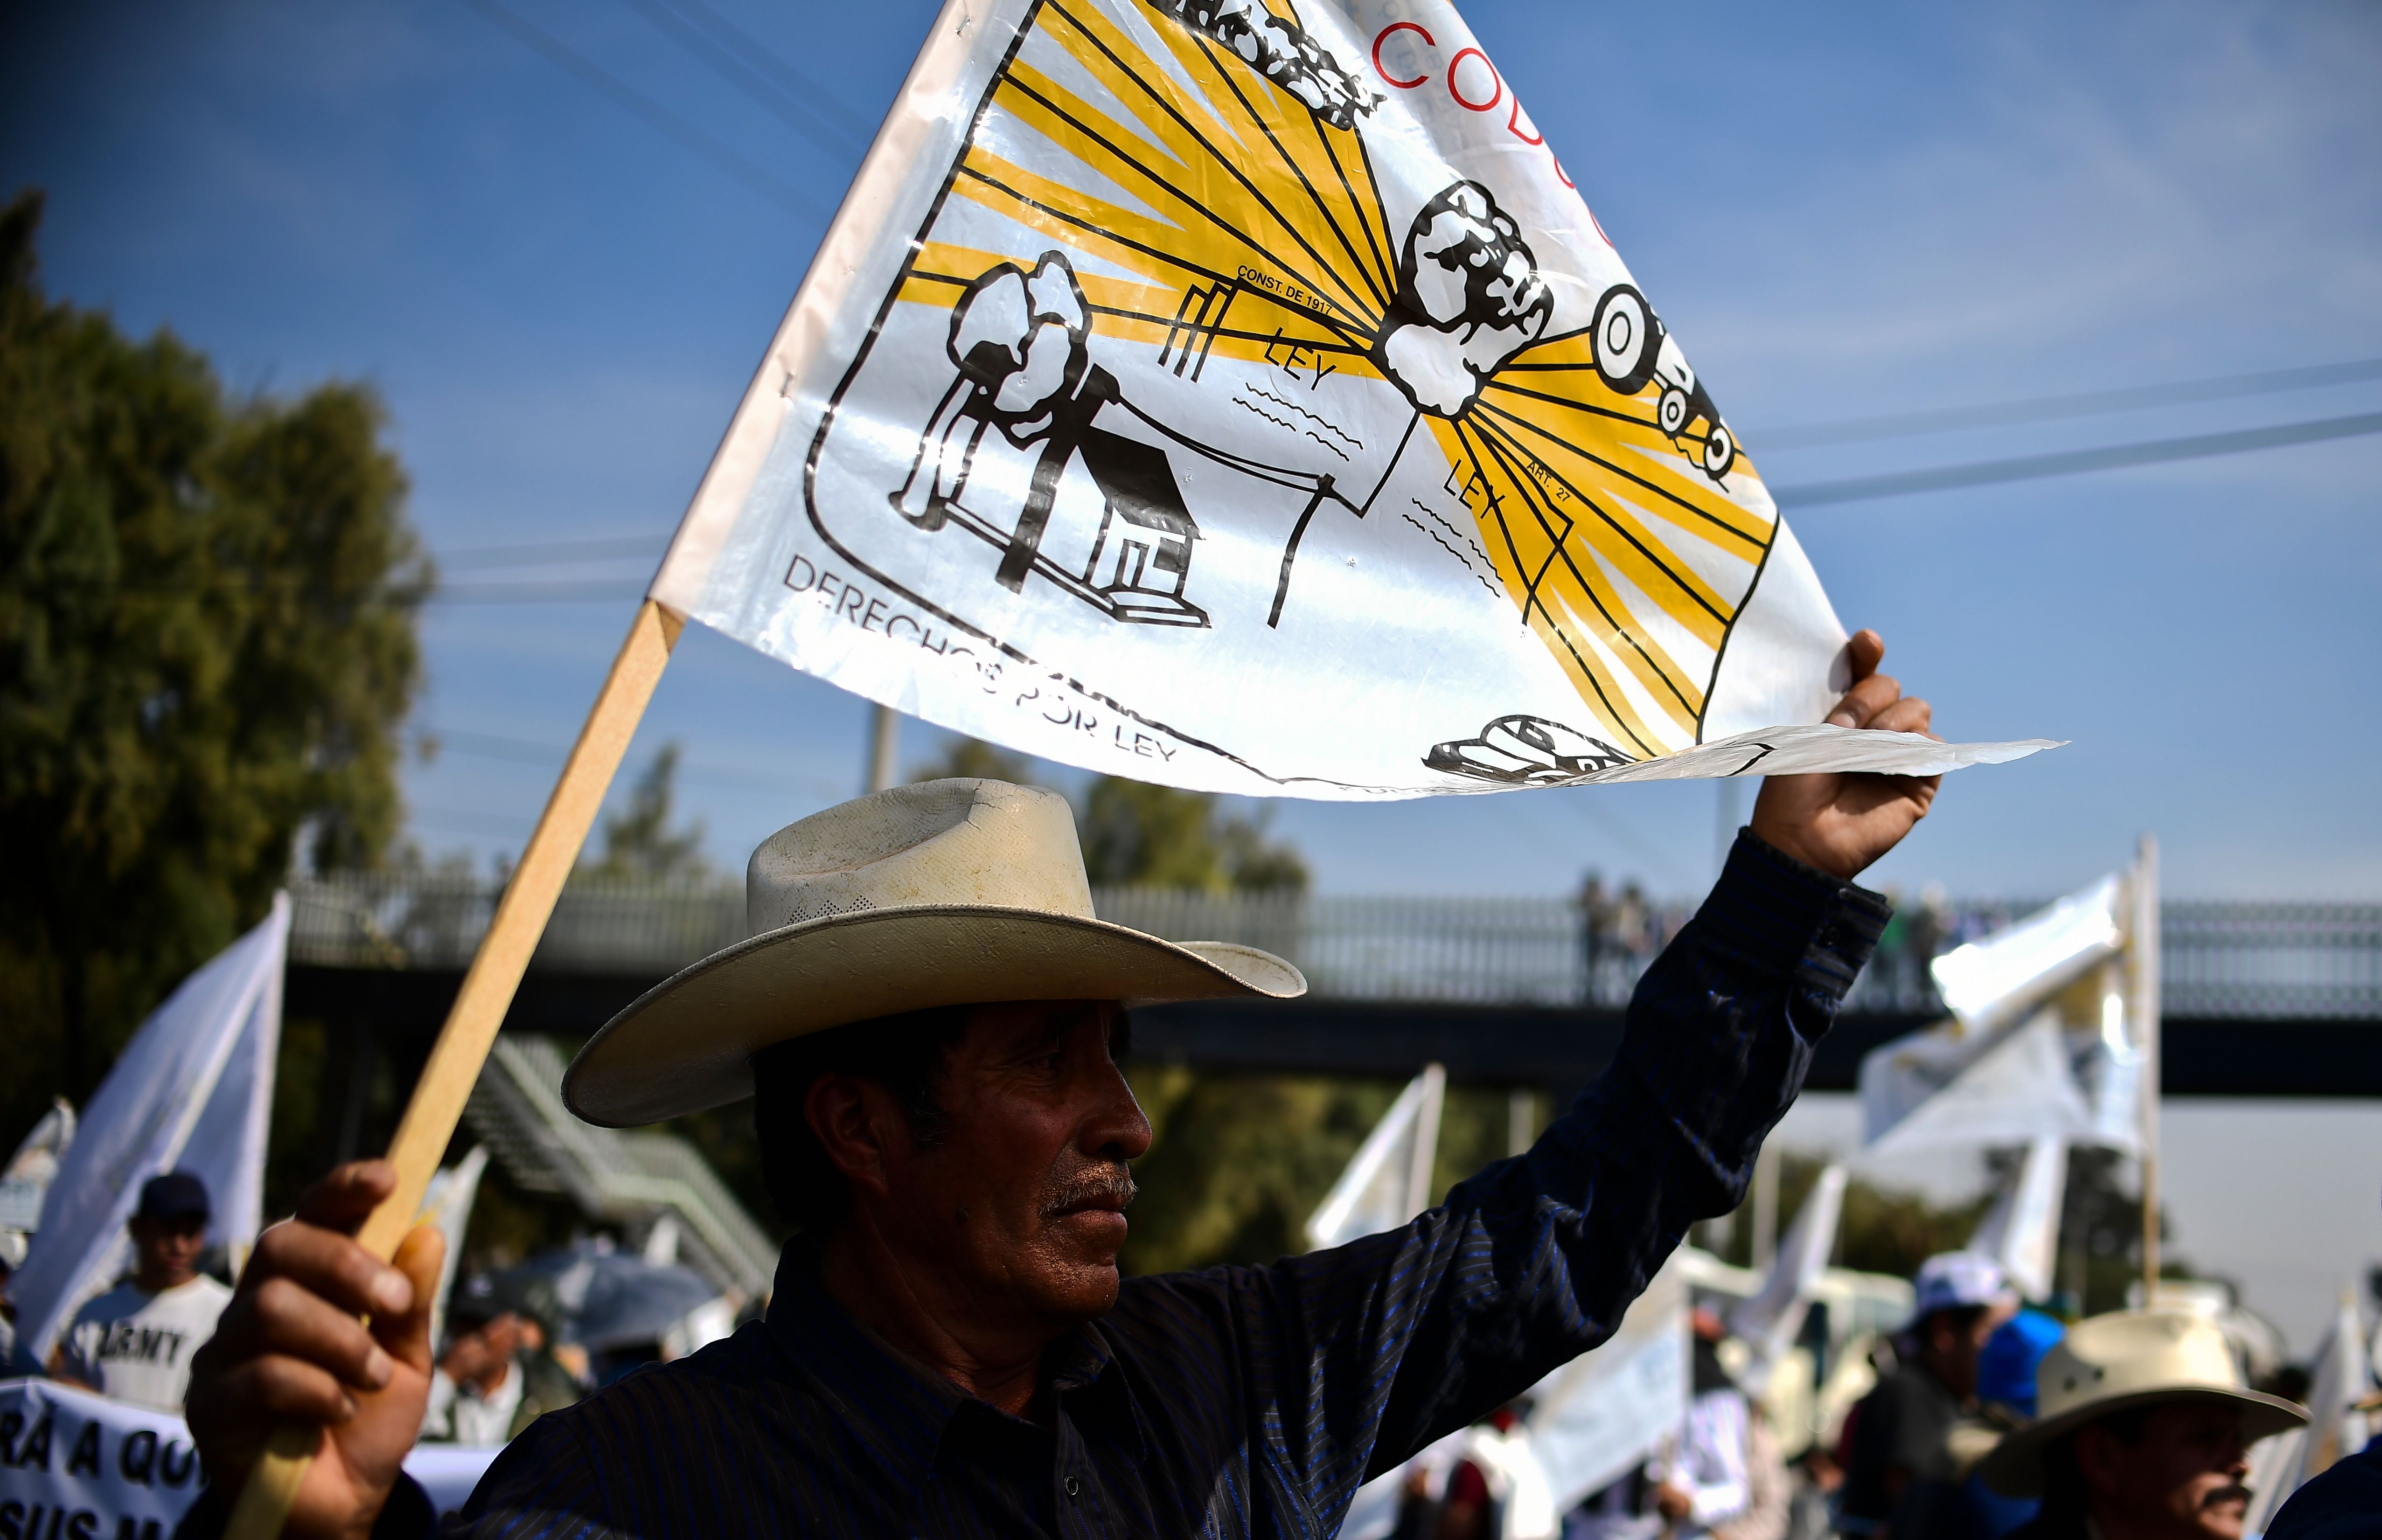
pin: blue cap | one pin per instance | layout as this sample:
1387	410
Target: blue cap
2006	1368
175	1195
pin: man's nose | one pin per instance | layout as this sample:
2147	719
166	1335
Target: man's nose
1118	1129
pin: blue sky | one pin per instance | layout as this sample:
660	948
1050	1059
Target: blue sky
1843	212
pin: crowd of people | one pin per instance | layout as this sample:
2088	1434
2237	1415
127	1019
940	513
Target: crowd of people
929	1021
501	1361
1990	1420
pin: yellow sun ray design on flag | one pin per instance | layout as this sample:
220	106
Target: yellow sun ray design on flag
1625	543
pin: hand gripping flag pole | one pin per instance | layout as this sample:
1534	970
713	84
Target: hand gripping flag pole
479	1009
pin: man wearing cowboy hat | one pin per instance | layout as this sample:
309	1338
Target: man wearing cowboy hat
929	1017
2143	1425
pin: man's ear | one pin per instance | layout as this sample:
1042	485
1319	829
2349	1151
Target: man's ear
859	1128
2097	1454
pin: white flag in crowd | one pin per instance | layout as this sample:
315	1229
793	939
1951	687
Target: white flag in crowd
1243	399
448	1204
2021	1231
1772	1319
1390	1179
2006	1067
192	1088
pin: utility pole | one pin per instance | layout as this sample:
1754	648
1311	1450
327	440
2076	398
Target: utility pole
1724	826
2142	1005
884	747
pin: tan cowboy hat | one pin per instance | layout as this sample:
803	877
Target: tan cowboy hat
945	893
2128	1359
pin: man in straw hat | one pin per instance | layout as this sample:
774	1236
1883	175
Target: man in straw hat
2142	1425
929	1018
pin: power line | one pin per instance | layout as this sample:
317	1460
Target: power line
1811	494
553	552
653	111
827	105
2045	409
788	108
611	590
2073	462
549	756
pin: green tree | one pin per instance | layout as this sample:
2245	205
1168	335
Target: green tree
207	608
1140	835
1137	835
639	841
973	759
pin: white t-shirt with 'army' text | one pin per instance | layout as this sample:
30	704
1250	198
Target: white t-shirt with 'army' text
136	1346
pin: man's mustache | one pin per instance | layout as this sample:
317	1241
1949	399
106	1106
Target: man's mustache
2236	1493
1098	1187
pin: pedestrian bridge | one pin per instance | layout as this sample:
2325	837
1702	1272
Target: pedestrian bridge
2260	998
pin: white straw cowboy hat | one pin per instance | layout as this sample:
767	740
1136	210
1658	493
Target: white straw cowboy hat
2128	1359
945	893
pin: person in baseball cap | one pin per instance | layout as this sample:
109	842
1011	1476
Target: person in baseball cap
135	1341
1904	1477
2143	1425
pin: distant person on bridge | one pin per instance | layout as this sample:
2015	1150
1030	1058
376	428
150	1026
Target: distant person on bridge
930	1019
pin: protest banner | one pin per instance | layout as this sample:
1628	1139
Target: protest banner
1604	1413
1237	396
75	1465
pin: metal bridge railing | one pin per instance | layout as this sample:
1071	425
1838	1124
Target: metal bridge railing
2220	959
633	1178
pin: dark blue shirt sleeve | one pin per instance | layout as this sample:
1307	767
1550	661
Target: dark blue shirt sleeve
1355	1358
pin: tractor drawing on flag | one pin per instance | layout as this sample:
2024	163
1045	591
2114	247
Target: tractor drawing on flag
1633	349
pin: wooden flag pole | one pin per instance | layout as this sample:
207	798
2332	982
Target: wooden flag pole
479	1009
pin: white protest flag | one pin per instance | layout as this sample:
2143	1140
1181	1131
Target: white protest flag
2023	1088
2021	1231
28	1177
1990	986
1389	1182
1991	982
1602	1414
192	1088
1772	1319
2337	1429
1241	396
448	1204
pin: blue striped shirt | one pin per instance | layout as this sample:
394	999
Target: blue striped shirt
1240	1401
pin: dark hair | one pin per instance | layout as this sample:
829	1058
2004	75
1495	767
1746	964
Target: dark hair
904	1053
1961	1319
2066	1499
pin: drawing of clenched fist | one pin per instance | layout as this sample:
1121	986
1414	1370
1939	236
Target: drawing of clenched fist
1469	297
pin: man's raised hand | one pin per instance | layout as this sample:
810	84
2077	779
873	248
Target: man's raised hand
1841	823
290	1346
